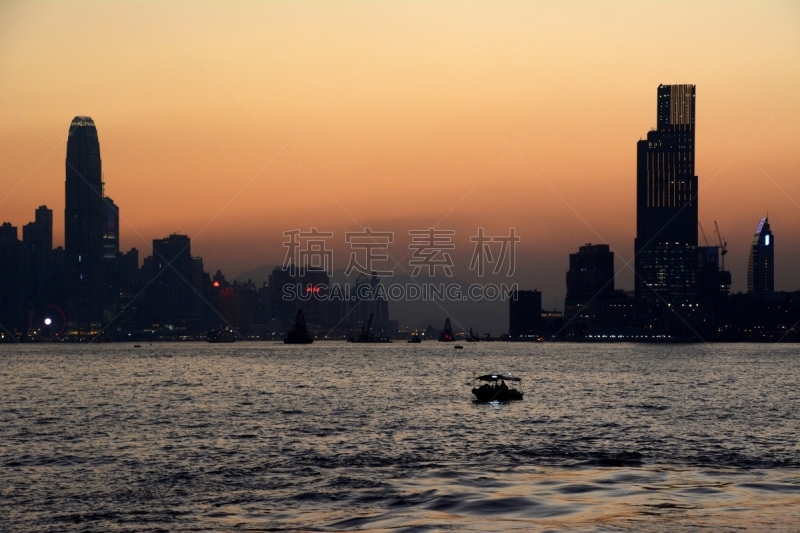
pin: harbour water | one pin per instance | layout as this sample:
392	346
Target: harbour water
346	437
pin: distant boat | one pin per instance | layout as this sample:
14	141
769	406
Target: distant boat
366	334
447	332
415	339
221	335
458	347
137	345
300	334
473	337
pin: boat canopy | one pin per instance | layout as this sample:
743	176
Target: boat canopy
498	377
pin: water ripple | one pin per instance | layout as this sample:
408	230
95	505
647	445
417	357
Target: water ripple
338	437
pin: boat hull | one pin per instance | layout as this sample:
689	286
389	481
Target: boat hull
484	395
298	341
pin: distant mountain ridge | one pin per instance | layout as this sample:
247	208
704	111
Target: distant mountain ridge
258	275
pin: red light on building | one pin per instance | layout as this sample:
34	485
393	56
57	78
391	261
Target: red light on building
216	284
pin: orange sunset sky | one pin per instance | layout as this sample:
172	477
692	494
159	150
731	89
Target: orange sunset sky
399	116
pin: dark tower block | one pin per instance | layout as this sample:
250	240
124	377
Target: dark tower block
12	283
666	213
172	296
525	314
590	282
761	265
110	260
37	238
84	228
42	227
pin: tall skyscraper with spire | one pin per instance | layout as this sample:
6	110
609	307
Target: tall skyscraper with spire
86	219
666	262
761	264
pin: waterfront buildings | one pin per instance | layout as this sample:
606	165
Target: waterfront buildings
12	272
592	301
37	238
171	295
666	263
761	263
86	216
681	291
590	281
525	315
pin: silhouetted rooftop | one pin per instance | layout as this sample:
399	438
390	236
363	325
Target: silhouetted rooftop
82	121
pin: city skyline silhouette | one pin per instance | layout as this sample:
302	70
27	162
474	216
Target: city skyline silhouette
424	265
556	181
376	144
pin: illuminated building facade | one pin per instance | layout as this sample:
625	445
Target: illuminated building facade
666	263
761	265
111	273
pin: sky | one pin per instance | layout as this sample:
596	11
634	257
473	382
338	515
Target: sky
233	122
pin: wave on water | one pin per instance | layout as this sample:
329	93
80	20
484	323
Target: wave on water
220	438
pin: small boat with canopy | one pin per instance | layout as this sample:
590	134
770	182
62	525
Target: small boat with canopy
497	388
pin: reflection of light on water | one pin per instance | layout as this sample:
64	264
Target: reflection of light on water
640	499
622	444
495	404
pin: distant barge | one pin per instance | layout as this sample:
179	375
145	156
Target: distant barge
299	334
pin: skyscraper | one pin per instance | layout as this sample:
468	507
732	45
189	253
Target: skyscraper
380	304
172	295
37	238
12	271
761	265
590	281
525	314
42	226
84	228
666	262
110	259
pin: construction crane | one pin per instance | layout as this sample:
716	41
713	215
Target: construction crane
703	233
723	245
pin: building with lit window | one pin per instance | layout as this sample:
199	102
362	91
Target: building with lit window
85	228
590	281
761	264
111	273
666	263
